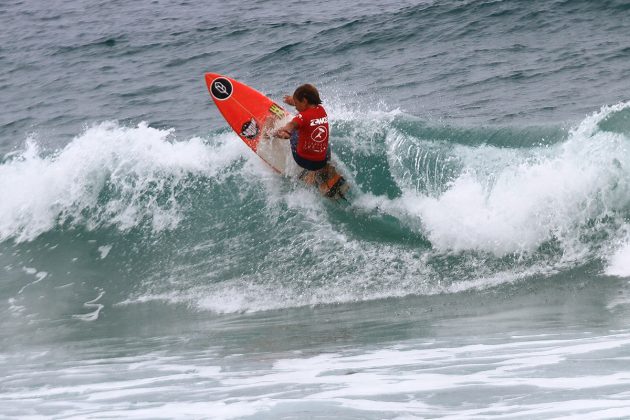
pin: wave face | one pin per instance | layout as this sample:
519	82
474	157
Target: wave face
434	209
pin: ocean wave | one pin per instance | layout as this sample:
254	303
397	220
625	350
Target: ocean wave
428	214
506	200
108	175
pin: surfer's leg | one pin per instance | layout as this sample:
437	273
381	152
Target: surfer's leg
317	177
310	177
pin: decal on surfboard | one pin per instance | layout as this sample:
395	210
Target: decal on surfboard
250	129
276	110
221	88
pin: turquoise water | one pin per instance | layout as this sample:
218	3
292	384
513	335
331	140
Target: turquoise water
152	267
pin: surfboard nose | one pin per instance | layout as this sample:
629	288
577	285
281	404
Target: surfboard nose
211	77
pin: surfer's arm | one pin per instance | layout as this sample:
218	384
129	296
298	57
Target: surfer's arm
285	132
289	100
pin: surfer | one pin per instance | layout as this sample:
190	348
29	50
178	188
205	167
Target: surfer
308	130
252	116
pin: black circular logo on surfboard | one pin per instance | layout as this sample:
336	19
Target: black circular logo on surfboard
221	88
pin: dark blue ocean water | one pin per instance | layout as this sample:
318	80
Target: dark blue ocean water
151	266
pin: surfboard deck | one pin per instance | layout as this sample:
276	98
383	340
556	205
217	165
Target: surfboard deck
253	117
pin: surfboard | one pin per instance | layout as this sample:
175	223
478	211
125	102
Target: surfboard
254	117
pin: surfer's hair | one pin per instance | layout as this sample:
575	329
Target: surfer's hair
308	92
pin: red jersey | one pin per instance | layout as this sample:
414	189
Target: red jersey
312	128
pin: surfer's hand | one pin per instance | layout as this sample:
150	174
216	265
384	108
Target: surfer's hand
288	99
282	133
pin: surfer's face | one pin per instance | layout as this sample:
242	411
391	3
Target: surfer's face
300	105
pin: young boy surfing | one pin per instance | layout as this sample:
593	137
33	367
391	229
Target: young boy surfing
308	130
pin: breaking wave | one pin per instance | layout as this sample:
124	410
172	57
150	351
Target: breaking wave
434	209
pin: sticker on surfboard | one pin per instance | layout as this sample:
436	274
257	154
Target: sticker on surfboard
221	88
250	129
277	110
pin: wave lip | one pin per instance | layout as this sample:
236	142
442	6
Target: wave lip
107	176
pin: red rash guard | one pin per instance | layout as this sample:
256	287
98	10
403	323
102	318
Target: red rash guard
312	129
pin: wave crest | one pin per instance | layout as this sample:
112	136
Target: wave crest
108	175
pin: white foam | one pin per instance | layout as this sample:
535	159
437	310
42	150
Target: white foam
529	197
91	304
29	270
14	309
434	379
39	275
619	263
104	250
40	192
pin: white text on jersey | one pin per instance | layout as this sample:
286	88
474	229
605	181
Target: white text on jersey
318	121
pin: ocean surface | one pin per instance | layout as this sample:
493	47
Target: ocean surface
151	266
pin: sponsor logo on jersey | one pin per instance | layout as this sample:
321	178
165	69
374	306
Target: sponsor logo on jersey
249	129
221	88
320	134
319	121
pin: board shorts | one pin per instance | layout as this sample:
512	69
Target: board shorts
310	165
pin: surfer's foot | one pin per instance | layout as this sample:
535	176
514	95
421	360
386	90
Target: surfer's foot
308	177
336	187
327	180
